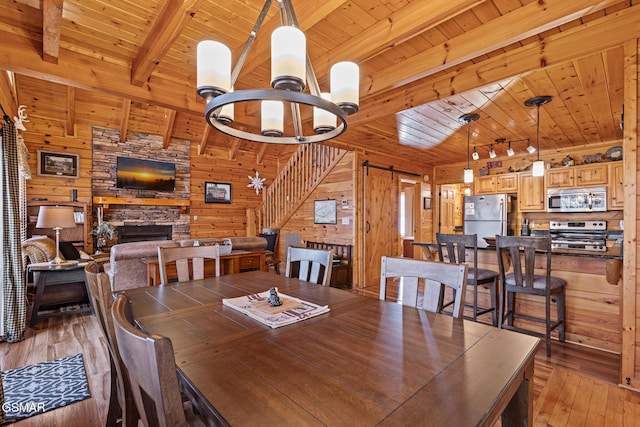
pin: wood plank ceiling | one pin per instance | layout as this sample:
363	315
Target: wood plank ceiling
131	65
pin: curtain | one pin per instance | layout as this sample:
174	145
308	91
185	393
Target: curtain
13	301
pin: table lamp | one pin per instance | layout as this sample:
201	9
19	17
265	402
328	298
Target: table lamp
56	217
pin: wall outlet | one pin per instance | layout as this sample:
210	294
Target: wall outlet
345	221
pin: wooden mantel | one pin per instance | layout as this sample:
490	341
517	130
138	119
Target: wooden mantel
183	204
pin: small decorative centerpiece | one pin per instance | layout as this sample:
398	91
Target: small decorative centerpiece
274	299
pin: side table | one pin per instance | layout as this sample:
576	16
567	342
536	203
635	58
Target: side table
51	278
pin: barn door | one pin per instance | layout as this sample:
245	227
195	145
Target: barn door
381	236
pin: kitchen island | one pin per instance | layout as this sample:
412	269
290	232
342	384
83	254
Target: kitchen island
593	294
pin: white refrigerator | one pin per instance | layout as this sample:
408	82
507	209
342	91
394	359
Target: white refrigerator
488	215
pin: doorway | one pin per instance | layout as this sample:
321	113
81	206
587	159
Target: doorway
451	211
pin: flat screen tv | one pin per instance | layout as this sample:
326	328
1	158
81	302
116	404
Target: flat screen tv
139	174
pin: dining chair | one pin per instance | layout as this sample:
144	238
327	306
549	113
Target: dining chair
189	261
522	252
271	259
454	247
433	274
121	404
310	265
152	372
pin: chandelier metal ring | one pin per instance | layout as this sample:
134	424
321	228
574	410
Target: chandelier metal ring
216	103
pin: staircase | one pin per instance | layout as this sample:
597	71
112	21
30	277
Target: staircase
304	171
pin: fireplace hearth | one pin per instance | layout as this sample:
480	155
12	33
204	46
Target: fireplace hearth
141	233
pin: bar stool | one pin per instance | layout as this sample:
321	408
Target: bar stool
523	280
456	246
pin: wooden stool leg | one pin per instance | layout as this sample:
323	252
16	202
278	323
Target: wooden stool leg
493	291
561	315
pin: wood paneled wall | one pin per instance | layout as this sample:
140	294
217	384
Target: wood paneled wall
216	165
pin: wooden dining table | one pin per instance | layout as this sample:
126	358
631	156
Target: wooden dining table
366	362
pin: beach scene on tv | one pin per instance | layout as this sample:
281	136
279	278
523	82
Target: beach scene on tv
142	174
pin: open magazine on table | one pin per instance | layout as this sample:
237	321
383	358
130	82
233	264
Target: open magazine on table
292	310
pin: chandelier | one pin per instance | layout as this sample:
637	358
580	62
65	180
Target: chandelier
290	70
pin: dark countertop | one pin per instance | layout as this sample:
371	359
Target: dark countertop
611	253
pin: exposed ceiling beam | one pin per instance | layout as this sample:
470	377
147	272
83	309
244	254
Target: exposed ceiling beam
51	29
124	119
71	110
261	153
205	138
172	20
168	129
18	55
7	98
235	147
598	35
393	30
533	19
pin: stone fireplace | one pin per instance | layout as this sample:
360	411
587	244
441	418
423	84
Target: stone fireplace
146	221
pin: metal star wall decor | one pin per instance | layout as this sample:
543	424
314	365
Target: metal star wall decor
256	182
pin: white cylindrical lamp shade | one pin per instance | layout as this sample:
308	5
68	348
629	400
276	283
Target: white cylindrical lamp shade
288	59
468	176
226	114
538	168
345	86
214	69
272	118
324	121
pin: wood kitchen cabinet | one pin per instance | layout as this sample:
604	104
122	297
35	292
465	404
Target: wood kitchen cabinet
531	193
507	183
578	176
594	174
485	184
616	186
559	178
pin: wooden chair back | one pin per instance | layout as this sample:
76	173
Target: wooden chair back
522	255
434	274
151	368
189	261
310	265
102	300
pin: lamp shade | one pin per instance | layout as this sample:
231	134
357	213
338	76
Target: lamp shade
56	217
226	114
538	168
324	121
345	85
288	58
214	66
468	176
272	118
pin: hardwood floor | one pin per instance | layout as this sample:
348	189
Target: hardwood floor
575	386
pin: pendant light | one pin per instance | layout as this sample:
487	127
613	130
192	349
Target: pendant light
537	101
468	118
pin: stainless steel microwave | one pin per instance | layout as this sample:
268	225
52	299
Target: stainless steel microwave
592	199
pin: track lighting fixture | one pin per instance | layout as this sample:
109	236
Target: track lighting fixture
475	155
510	152
492	154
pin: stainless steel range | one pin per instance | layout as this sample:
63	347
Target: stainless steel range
580	235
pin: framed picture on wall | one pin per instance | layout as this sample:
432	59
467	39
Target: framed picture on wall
325	212
217	192
59	165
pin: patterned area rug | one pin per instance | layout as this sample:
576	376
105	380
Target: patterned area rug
39	388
